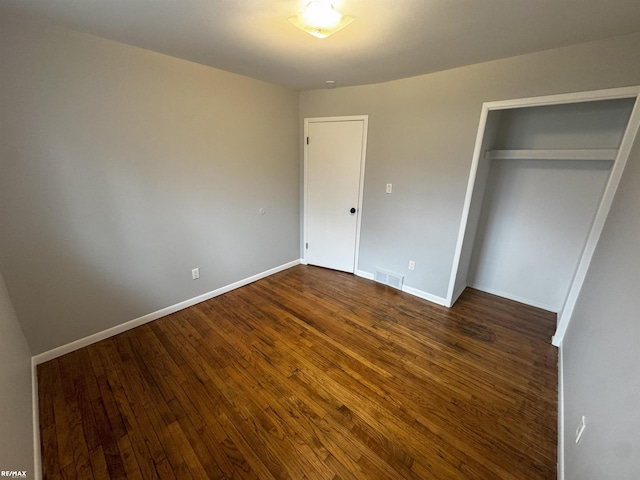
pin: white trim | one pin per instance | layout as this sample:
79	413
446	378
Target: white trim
344	118
515	298
562	98
110	332
365	125
35	415
363	274
468	197
456	294
424	295
598	224
361	188
561	435
605	203
564	154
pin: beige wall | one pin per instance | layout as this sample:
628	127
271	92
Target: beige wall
601	354
16	426
123	169
421	136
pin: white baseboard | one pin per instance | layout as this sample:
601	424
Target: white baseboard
515	298
561	436
123	327
363	274
409	290
425	295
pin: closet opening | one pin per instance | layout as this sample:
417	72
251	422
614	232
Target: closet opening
543	176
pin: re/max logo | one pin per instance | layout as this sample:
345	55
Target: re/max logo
13	473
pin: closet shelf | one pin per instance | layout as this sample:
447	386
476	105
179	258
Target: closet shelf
568	154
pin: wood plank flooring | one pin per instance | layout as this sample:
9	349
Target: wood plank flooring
310	374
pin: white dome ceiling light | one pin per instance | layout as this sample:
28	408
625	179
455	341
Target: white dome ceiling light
320	19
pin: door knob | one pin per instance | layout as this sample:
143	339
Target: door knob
353	210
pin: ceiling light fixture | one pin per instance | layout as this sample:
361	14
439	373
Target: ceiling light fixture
320	19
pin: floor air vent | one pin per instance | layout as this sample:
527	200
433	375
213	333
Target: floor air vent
388	278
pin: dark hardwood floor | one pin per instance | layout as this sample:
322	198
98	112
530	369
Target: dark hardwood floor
310	374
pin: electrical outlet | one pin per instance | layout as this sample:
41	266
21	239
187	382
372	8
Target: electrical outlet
412	265
581	426
389	187
195	273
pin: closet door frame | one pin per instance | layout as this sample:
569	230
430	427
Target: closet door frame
457	281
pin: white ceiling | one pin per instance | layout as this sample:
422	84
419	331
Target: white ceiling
389	39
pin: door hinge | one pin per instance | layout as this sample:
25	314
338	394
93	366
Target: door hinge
307	140
307	245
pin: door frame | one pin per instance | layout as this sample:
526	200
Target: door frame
365	124
628	139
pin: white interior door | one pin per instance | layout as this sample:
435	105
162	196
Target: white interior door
334	170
